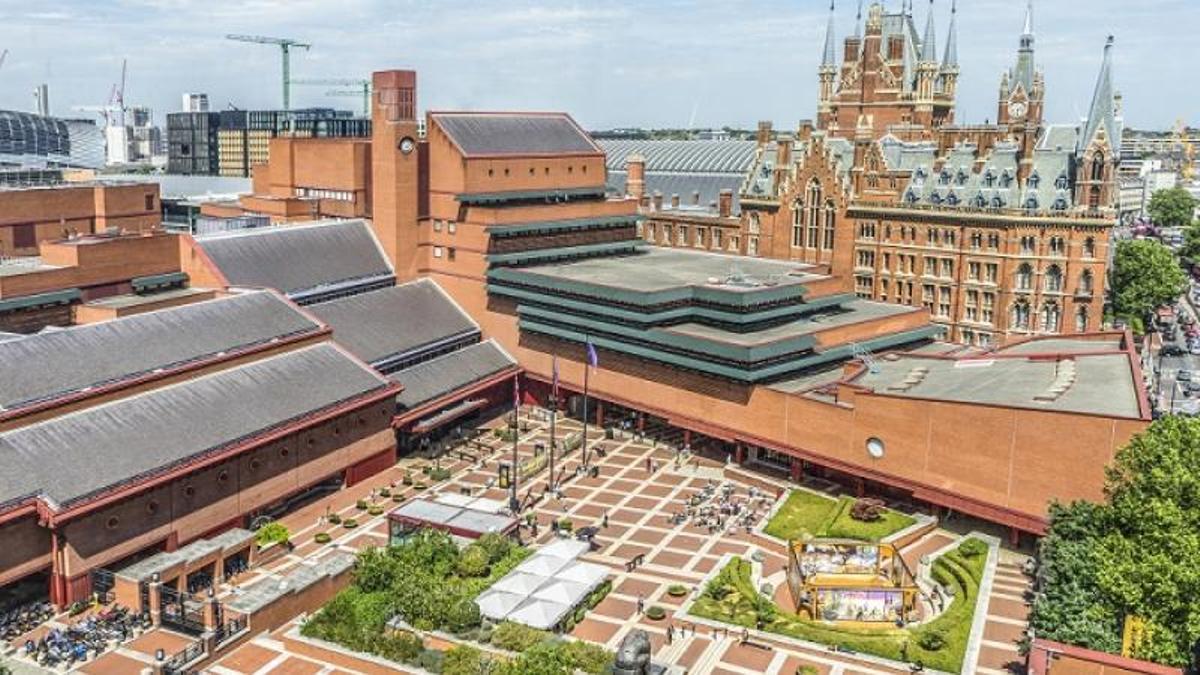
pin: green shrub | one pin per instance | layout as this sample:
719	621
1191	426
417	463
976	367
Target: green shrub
932	640
397	497
439	474
322	538
362	505
334	518
655	612
375	511
473	562
419	486
972	547
384	492
463	616
463	660
425	469
807	670
349	523
407	480
399	647
515	637
565	524
585	656
272	533
431	660
677	590
580	612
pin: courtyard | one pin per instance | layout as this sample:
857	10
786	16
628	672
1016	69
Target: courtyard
634	501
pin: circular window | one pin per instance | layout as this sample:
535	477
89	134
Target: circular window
112	522
311	442
407	145
875	447
189	491
223	477
152	506
284	452
254	464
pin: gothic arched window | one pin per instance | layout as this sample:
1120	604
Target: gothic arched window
813	213
830	216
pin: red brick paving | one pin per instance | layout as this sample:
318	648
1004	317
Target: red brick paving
748	656
595	631
248	658
295	666
113	663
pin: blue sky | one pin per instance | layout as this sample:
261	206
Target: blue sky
608	62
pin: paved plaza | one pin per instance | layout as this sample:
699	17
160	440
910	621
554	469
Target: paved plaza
638	489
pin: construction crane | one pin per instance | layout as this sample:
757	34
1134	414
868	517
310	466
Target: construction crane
114	111
2	55
285	47
363	89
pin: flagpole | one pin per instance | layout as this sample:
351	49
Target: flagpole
513	503
553	414
587	368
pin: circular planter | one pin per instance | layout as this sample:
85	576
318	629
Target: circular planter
322	538
656	613
361	505
677	590
397	498
375	511
349	523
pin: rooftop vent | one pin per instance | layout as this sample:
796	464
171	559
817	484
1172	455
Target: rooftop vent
916	375
1064	378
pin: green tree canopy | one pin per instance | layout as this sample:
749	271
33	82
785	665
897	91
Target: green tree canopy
1134	555
1145	275
1172	207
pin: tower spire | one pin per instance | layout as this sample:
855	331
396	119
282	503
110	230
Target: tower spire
929	43
828	57
858	21
1028	19
1102	112
950	60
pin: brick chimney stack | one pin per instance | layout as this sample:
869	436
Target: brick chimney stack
696	198
764	132
675	200
635	176
725	203
658	201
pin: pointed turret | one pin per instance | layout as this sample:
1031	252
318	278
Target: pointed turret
950	60
829	58
858	21
929	42
1028	31
1103	112
1023	71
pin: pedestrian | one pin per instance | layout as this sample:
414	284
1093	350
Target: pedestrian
670	633
745	635
605	521
648	460
641	604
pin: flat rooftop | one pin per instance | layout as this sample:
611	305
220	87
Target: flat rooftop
660	269
1064	346
12	267
1100	384
855	311
135	300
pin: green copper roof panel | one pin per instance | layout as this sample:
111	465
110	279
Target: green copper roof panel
40	300
742	375
156	280
676	314
521	195
500	231
566	252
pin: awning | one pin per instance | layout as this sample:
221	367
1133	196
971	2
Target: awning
40	300
541	614
448	415
158	281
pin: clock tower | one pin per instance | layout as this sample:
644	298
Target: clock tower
395	150
1022	94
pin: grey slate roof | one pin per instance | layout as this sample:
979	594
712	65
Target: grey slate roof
299	260
681	156
431	379
390	322
67	458
515	133
49	365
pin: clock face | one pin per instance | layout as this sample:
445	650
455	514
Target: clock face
406	145
1016	110
875	448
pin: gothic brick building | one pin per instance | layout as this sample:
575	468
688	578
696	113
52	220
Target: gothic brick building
999	230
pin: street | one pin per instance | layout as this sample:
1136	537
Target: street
1172	393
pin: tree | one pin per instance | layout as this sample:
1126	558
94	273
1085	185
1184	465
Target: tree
1145	275
1190	251
1133	555
1172	207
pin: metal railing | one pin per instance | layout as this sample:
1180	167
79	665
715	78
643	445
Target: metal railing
177	664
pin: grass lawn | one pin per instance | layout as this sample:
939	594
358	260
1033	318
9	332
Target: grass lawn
809	513
731	598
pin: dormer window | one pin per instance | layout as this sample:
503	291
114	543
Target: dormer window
952	199
979	202
944	178
1060	204
989	179
910	197
1034	181
1031	203
997	202
935	198
1006	180
1061	181
961	177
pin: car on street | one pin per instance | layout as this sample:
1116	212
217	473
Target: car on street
1184	375
1172	350
1194	350
1193	388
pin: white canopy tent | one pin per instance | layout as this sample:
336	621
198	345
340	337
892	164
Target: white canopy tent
496	605
540	614
583	573
544	588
